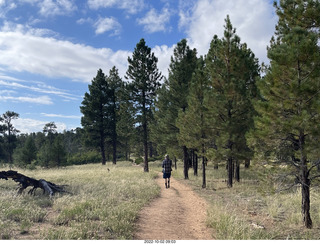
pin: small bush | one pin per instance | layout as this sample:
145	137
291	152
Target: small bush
138	160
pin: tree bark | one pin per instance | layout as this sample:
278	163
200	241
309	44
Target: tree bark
195	164
145	132
114	152
305	184
305	204
146	166
230	175
203	172
102	149
175	163
237	171
185	163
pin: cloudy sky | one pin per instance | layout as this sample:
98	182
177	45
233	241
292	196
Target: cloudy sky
51	49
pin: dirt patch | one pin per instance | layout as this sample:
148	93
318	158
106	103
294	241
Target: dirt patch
178	214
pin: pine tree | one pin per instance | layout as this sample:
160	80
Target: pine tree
145	77
114	83
173	98
29	151
59	155
96	112
232	70
125	122
9	132
288	122
194	126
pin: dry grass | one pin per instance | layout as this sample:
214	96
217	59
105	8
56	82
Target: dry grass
252	209
104	204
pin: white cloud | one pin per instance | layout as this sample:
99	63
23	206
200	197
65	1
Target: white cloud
26	125
61	116
131	6
40	88
163	53
103	25
254	21
185	12
36	100
56	7
154	22
5	7
21	49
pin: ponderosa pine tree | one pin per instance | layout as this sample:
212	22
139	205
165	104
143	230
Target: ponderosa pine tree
115	85
161	132
100	109
95	109
232	70
145	77
182	66
287	128
125	122
194	126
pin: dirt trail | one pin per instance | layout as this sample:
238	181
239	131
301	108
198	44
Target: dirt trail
178	214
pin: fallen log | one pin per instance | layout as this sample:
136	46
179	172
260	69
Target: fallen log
25	181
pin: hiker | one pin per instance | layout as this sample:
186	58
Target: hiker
167	168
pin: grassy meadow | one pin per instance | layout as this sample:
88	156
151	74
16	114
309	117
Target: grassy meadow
253	209
103	205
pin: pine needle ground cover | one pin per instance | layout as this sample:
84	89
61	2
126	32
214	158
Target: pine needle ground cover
253	209
103	205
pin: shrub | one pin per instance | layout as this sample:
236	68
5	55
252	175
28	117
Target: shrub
138	160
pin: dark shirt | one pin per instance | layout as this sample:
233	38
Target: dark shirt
166	165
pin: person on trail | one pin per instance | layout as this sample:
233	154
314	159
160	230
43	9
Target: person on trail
166	169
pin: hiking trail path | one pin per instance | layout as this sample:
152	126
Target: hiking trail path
177	214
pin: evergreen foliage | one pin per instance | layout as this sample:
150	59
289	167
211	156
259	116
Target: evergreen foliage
216	107
9	133
232	70
287	128
100	109
145	77
172	99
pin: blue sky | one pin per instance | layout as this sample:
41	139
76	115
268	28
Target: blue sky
51	49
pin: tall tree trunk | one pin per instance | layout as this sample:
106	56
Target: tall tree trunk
102	149
305	204
305	184
237	171
175	163
195	164
145	132
145	143
126	151
114	152
203	172
150	149
230	175
185	162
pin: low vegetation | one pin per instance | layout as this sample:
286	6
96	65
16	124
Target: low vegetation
106	200
253	208
104	203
